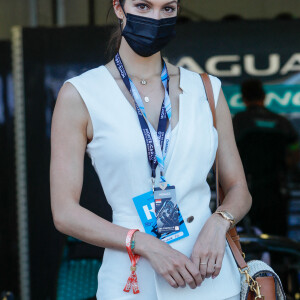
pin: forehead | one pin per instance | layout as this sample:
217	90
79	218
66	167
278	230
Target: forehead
157	2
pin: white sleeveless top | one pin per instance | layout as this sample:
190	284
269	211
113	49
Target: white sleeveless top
119	156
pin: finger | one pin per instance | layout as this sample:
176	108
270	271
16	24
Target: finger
194	271
211	266
196	260
203	267
218	266
171	281
177	277
188	278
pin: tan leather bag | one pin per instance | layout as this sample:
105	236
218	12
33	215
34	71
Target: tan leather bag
258	280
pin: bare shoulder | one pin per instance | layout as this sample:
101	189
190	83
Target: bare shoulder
68	91
69	98
70	110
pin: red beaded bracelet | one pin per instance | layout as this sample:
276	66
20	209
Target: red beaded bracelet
134	258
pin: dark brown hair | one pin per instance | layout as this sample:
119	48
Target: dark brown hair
115	37
252	90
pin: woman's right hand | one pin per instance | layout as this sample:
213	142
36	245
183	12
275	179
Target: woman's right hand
171	264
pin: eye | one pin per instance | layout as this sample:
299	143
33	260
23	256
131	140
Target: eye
169	9
142	6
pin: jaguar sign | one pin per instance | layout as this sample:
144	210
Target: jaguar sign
232	65
234	51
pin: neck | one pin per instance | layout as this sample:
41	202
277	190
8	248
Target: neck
254	103
138	66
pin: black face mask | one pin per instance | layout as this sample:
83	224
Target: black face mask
147	36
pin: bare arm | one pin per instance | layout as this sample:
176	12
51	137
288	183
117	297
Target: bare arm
68	144
237	199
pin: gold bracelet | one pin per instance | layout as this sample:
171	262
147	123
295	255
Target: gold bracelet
227	216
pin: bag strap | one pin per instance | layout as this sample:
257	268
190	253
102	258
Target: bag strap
210	97
232	235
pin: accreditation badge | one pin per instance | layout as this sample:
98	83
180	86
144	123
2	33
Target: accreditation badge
166	209
162	219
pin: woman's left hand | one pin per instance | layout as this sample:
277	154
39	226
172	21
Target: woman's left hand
209	249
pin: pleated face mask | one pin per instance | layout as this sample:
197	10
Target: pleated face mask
147	36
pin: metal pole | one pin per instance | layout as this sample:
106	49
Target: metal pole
61	15
21	163
33	13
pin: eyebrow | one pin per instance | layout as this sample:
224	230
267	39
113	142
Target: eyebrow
149	2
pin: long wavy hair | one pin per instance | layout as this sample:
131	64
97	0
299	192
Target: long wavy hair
116	36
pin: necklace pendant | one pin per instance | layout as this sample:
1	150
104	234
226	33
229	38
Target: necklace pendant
147	99
143	82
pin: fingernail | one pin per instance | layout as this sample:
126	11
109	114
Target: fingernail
213	277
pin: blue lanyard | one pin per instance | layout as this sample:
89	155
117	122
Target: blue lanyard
157	142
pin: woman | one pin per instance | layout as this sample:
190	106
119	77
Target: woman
97	112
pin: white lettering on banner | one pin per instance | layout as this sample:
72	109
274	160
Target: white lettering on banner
250	66
235	69
189	63
271	97
296	99
287	99
237	62
149	211
237	101
293	64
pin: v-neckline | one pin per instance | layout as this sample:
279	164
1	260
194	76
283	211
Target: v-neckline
124	98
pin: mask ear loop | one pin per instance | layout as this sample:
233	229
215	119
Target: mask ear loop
120	23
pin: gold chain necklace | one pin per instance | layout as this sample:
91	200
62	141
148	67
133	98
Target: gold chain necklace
143	82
